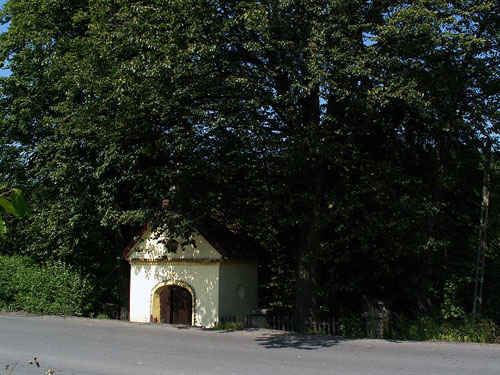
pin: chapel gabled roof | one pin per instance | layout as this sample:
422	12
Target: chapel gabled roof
229	240
134	241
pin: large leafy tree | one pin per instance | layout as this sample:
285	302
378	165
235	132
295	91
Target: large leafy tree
54	165
343	134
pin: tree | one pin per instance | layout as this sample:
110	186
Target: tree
342	133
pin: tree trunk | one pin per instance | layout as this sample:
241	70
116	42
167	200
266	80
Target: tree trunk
483	229
427	257
307	272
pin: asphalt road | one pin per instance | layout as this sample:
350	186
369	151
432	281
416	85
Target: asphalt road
94	347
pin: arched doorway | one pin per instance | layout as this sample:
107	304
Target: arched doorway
172	304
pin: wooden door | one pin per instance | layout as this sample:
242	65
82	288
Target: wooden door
165	306
182	306
176	305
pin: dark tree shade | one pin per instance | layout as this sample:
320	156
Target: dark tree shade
343	135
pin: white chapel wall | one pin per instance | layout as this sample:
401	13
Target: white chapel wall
202	277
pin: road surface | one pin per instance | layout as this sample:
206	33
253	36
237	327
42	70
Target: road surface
104	347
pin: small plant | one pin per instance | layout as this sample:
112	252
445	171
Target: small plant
229	326
352	327
311	331
449	308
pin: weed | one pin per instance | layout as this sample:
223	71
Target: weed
33	361
459	330
229	326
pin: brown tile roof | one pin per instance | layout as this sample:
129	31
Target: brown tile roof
230	240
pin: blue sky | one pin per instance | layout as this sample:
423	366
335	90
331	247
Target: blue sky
3	72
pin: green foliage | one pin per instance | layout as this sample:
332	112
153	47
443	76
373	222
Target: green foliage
460	330
102	316
450	308
229	326
353	326
276	282
12	201
343	135
425	328
53	288
10	269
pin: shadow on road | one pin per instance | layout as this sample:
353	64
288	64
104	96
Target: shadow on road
298	341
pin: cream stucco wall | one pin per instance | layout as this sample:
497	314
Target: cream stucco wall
202	278
238	287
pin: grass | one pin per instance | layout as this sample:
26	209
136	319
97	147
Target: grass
102	316
229	326
427	328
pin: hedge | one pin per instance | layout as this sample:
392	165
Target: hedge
53	288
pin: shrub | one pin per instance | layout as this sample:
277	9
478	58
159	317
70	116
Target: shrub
353	326
459	330
53	288
10	268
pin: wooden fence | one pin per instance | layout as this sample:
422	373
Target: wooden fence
325	326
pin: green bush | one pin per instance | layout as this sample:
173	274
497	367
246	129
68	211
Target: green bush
426	328
11	267
53	288
459	330
353	326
